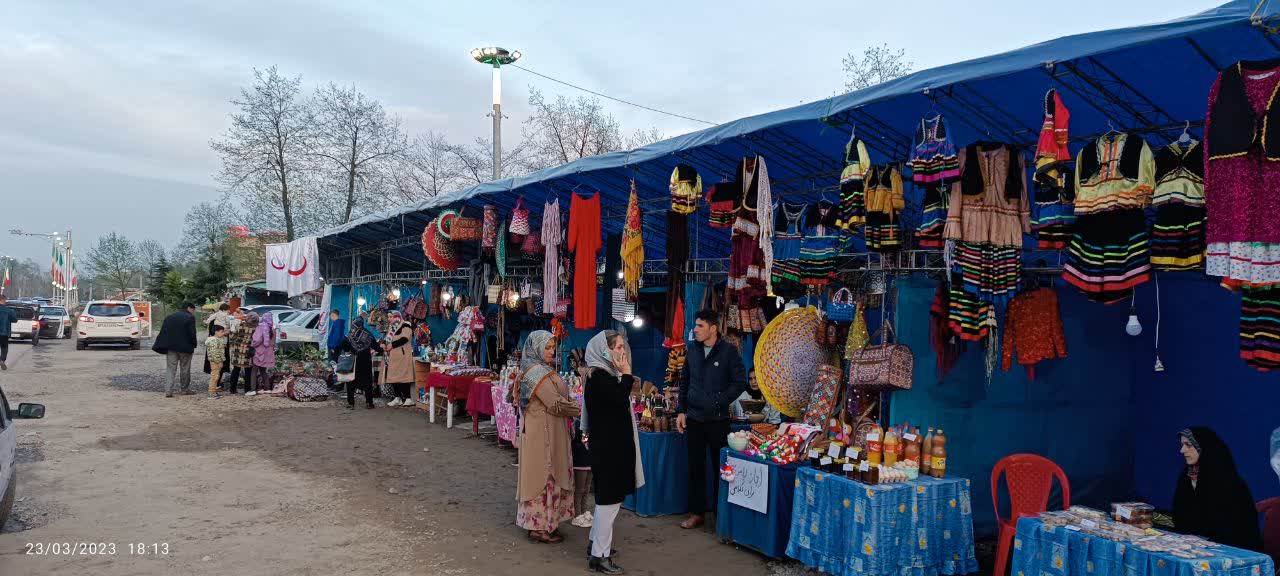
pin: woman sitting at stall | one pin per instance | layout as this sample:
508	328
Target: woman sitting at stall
753	392
612	437
1212	500
544	486
398	349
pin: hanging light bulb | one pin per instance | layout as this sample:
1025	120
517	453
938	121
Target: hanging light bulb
1133	327
361	301
637	322
396	293
1159	367
621	275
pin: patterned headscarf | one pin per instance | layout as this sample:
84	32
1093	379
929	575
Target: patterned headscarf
532	367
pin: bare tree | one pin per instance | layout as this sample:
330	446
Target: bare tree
641	138
475	161
355	138
264	148
560	131
113	259
206	228
877	64
429	168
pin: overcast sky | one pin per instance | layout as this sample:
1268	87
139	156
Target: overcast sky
107	108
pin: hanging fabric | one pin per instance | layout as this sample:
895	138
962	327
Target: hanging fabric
935	165
788	236
552	236
883	230
585	243
1033	330
1054	210
853	200
632	247
1177	236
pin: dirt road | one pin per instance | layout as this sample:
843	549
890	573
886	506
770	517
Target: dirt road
268	486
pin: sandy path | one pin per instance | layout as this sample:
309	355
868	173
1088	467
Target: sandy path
270	486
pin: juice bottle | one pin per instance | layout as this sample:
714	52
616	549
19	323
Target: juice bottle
938	461
911	452
926	453
901	448
875	444
890	447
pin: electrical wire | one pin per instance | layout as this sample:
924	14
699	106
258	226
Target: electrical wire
607	97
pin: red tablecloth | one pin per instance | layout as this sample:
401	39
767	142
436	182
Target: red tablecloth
479	401
457	387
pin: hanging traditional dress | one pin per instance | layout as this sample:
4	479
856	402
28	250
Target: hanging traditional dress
1242	174
686	188
788	235
746	284
1054	210
987	216
552	236
1033	330
934	166
1177	237
1109	252
724	201
677	251
885	202
632	247
821	245
585	243
853	197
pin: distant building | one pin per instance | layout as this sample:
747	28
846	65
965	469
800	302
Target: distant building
248	252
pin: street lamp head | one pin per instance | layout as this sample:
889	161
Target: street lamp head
494	56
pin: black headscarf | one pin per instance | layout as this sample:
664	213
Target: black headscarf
1220	506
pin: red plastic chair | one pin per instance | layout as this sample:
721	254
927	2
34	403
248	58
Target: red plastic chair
1270	510
1030	479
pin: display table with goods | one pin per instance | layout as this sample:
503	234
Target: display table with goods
754	507
1081	541
455	381
845	527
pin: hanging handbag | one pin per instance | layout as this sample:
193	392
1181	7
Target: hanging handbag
489	228
623	309
346	363
822	400
882	367
841	309
733	320
493	293
532	246
416	308
465	230
520	218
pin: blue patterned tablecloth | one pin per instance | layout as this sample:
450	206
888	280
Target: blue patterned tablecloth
1039	550
846	528
764	533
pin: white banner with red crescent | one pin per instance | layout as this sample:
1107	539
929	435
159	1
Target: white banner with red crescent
304	266
277	267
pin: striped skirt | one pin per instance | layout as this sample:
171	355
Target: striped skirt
1260	326
1177	237
1109	254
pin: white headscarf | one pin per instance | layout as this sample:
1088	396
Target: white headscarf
1275	451
600	356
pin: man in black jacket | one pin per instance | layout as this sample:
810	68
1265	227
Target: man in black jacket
177	341
714	377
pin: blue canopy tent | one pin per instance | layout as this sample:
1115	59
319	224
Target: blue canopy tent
1103	414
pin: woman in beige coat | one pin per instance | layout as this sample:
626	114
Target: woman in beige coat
399	360
544	489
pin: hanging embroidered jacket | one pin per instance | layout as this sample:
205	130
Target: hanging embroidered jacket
853	199
1109	252
1033	330
883	230
1242	173
1177	237
686	188
935	165
989	200
1053	211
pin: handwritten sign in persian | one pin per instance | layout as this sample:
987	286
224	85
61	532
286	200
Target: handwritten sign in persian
750	486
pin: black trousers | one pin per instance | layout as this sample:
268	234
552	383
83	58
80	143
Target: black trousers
705	441
4	348
365	385
402	390
235	378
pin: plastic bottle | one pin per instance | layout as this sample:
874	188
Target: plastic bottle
901	448
926	453
890	447
938	461
911	452
875	444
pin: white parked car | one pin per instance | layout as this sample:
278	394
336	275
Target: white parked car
108	322
302	329
9	450
54	322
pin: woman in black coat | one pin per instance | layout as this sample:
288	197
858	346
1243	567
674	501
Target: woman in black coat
1211	499
359	342
612	439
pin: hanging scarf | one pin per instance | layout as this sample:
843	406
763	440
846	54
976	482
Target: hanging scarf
632	247
764	202
533	370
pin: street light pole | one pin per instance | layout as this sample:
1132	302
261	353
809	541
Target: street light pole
496	57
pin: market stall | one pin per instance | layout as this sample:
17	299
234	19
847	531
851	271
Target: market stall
756	512
1082	542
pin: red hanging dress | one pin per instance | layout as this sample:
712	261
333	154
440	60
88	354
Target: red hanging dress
585	243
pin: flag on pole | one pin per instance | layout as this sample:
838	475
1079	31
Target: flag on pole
7	281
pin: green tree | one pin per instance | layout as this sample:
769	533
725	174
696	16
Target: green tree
174	290
156	279
209	281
